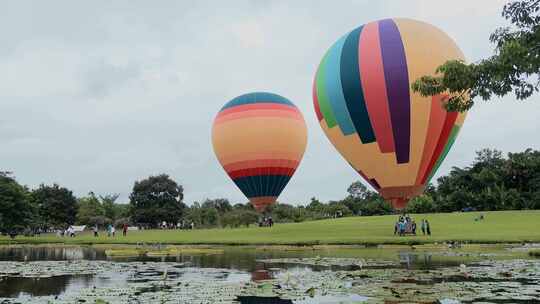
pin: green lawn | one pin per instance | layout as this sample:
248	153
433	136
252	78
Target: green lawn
497	227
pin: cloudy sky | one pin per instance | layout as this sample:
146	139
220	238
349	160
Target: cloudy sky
97	94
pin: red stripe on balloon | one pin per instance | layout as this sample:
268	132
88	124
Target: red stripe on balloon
437	117
261	163
260	171
445	134
258	106
374	86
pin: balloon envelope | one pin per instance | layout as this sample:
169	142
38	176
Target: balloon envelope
259	139
393	137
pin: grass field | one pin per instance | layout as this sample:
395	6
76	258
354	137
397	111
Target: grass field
497	227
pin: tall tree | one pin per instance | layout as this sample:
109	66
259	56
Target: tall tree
357	190
57	205
515	66
16	212
110	207
156	199
89	208
222	205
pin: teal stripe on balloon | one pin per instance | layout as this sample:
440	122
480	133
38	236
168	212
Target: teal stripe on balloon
257	97
279	181
352	87
334	88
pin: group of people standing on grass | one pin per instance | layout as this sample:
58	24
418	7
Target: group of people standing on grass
111	230
266	221
70	231
407	225
183	225
426	229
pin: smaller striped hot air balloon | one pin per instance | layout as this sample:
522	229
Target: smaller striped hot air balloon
259	139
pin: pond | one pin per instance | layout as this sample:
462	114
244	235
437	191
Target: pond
325	274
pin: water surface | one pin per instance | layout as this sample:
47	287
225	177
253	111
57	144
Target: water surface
37	274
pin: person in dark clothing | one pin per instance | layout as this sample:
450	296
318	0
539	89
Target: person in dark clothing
396	226
428	228
423	226
96	231
124	229
413	227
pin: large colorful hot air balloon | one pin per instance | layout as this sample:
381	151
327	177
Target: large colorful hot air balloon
392	136
259	139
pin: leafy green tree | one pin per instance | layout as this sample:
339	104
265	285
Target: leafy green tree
315	205
358	190
89	208
204	215
56	205
376	206
284	213
338	209
99	220
247	206
492	182
535	200
523	170
210	216
359	196
239	217
156	199
110	208
16	212
122	211
193	214
421	204
514	67
222	205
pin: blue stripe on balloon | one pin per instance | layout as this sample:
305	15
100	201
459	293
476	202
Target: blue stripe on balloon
352	87
272	185
334	89
257	97
242	185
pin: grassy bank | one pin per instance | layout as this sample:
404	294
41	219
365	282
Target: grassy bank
497	227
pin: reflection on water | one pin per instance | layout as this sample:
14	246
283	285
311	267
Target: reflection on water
242	259
308	300
14	287
333	299
50	253
261	273
262	300
233	258
422	261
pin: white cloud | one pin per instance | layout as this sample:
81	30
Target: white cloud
96	95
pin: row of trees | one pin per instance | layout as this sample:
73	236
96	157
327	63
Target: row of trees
492	182
52	206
